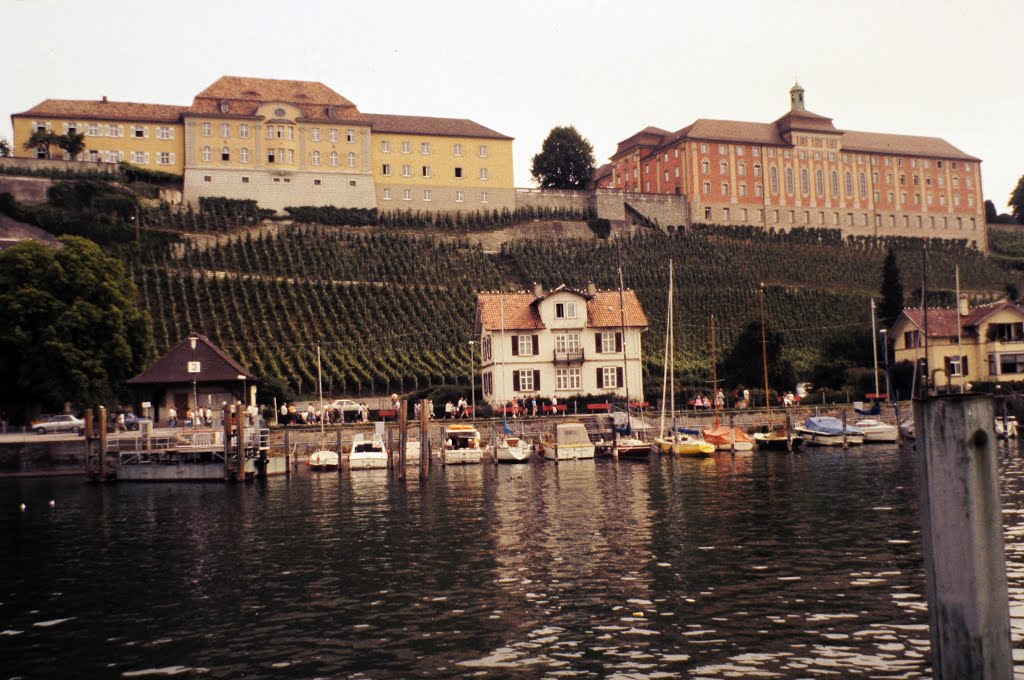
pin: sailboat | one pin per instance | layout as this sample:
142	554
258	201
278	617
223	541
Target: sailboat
772	439
675	442
723	437
508	448
323	458
625	445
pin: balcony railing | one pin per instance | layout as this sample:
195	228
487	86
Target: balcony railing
569	356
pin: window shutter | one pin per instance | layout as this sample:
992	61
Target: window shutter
145	132
536	345
597	344
618	342
600	378
618	377
515	346
948	361
145	157
963	366
515	381
536	378
172	158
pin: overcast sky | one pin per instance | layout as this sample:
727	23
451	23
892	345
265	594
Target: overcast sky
943	68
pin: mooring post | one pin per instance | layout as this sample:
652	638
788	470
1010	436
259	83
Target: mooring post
424	439
88	442
102	416
403	436
732	432
964	559
287	455
899	430
338	447
789	433
240	420
846	442
226	421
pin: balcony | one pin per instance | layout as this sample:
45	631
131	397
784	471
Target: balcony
569	356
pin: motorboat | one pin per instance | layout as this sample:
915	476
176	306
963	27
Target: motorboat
511	448
876	431
725	438
322	459
684	442
461	445
567	441
828	431
906	428
1006	428
777	440
368	454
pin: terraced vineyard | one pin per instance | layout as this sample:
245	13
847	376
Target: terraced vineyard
395	312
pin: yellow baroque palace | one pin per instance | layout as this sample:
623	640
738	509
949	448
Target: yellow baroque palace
289	143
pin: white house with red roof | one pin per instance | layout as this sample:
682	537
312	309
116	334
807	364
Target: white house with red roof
991	342
560	343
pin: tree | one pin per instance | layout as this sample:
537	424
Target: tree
5	148
566	160
745	364
41	140
1017	201
892	292
991	215
72	142
71	331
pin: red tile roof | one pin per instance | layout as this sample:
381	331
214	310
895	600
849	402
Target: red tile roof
245	95
424	125
518	311
942	322
100	109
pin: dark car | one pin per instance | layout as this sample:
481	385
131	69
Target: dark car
134	422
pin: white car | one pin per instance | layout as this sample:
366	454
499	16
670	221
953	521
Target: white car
61	423
348	409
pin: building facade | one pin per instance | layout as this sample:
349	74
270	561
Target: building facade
802	171
989	346
290	143
561	343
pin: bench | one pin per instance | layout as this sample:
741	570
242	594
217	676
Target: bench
599	407
387	413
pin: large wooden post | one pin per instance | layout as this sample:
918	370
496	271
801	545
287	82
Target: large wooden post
102	415
226	421
287	455
338	448
424	439
845	442
88	442
240	427
403	435
965	564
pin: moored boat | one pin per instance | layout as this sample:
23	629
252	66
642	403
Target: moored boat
777	440
512	449
876	432
627	446
368	454
682	443
567	441
322	459
461	446
828	431
724	438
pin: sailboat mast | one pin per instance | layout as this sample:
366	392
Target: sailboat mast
625	363
320	388
764	355
665	370
874	341
714	371
959	326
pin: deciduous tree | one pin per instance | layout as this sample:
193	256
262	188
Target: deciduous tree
1017	201
566	160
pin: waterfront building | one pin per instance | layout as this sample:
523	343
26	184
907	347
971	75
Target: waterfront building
802	171
560	343
290	143
991	342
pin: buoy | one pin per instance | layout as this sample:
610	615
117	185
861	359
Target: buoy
53	503
22	507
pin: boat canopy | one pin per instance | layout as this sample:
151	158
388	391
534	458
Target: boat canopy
829	425
571	433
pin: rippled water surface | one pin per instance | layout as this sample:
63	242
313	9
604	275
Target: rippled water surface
762	565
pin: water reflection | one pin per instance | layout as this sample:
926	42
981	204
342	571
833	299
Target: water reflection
729	566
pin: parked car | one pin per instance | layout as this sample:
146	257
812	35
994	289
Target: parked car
134	422
348	409
59	423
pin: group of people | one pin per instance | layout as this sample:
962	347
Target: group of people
289	414
702	402
459	409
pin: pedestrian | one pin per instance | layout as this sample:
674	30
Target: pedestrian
554	406
284	413
746	396
293	414
416	410
720	399
119	423
172	415
208	416
533	406
449	410
430	409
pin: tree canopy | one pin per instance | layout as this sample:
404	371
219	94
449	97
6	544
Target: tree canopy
72	142
1017	201
71	331
745	363
891	305
566	160
5	147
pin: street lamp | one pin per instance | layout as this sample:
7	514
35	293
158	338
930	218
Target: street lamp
885	356
472	375
193	368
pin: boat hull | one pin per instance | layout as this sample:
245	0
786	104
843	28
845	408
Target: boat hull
777	442
554	451
368	461
826	439
684	447
322	460
462	457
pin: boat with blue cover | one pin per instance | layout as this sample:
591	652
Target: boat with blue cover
828	431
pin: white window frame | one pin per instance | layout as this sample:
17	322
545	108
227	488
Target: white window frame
484	174
332	135
608	342
456	149
243	155
314	134
483	151
207	154
610	377
385	170
351	159
385	146
243	130
427	195
526	381
207	129
334	159
525	345
386	194
406	170
225	130
425	148
407	194
350	135
565	310
568	379
406	147
316	158
460	196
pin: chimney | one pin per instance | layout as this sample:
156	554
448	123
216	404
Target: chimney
104	100
538	289
591	288
964	306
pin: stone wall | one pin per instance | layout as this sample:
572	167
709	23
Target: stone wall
26	190
52	457
57	164
553	199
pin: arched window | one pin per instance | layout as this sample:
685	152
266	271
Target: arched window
849	184
863	185
789	180
225	154
819	182
835	184
243	154
316	158
334	158
805	187
773	179
207	153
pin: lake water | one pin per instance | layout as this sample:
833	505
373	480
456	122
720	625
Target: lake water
763	565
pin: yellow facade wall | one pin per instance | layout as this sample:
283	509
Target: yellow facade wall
154	146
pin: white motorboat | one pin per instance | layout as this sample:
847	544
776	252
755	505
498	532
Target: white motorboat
828	431
368	454
1007	430
512	449
461	446
567	441
875	431
322	459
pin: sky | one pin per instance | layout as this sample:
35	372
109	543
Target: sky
941	68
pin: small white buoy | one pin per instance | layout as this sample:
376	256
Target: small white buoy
53	503
22	507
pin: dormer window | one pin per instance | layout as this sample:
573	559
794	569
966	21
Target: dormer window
332	112
279	113
224	107
565	310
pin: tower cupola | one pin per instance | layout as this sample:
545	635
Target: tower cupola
796	98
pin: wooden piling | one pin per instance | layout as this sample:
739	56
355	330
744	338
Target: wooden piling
965	562
732	432
287	455
789	433
88	442
338	448
102	416
240	428
424	439
403	436
226	421
846	443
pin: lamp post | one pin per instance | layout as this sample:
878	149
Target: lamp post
193	368
472	375
885	355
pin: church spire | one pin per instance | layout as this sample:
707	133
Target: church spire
796	98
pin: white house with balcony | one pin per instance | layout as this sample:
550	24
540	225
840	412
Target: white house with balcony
561	343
